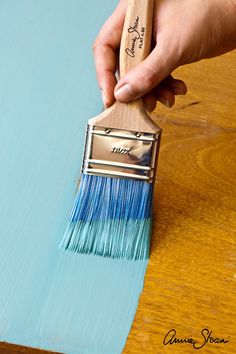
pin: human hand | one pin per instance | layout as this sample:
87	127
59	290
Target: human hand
184	31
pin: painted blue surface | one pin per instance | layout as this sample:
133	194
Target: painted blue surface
48	298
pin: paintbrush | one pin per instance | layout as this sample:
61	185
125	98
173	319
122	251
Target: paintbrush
112	211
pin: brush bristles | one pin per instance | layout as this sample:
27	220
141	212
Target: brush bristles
111	217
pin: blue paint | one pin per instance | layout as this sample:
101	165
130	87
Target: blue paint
102	198
122	239
50	299
111	217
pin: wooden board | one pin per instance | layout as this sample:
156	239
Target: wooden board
190	281
6	348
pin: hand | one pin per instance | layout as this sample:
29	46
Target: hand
184	31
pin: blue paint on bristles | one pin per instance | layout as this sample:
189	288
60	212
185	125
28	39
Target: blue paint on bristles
111	217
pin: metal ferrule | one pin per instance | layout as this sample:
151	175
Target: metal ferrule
120	153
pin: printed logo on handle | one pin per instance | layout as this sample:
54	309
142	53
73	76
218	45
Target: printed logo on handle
137	38
121	151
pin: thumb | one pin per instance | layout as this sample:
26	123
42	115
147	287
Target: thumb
144	77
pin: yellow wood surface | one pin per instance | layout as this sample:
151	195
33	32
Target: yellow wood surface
7	348
191	276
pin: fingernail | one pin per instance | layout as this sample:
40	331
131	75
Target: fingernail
124	93
164	101
104	99
150	107
178	91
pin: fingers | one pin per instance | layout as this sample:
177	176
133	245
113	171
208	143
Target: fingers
178	87
150	79
105	62
165	96
105	50
165	93
143	78
150	101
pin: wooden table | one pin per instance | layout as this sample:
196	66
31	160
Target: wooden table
190	281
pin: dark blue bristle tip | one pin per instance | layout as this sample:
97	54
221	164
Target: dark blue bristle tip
111	217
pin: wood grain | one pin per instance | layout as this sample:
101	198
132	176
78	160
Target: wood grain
6	348
190	281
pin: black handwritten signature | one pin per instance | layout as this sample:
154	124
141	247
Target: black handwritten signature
133	29
206	334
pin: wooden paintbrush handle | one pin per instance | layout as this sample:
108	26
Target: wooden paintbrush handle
135	47
137	34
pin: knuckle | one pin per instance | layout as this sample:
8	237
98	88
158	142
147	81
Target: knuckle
147	76
98	44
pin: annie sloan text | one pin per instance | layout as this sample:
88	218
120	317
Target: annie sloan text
206	337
